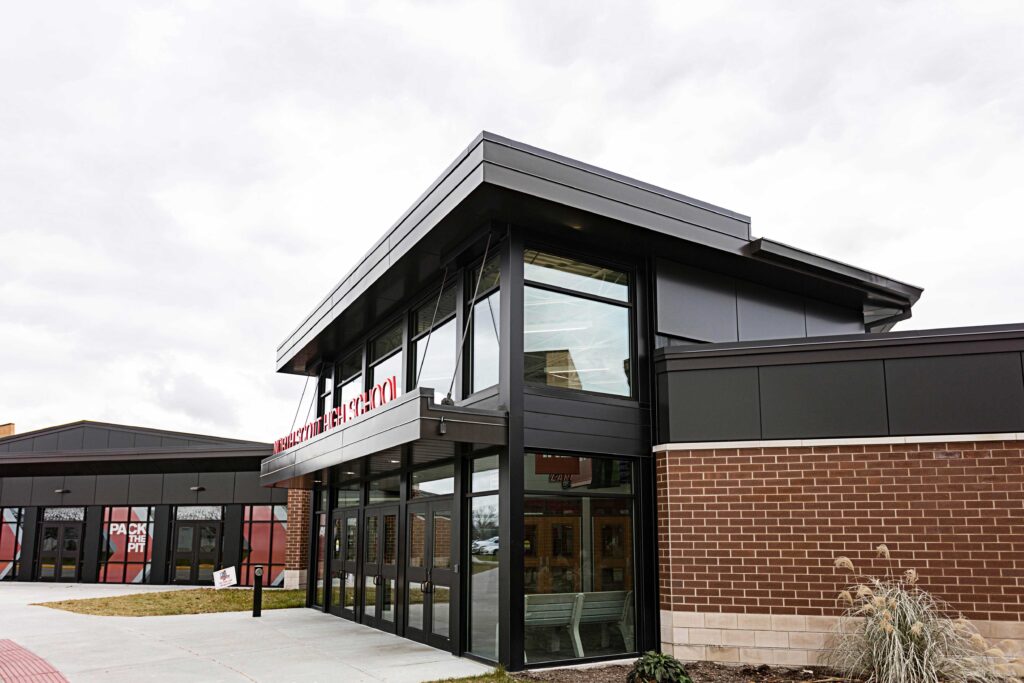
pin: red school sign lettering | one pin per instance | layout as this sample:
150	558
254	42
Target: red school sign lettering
360	405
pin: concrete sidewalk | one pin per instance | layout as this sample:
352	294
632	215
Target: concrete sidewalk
282	645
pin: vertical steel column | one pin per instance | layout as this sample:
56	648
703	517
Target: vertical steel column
510	508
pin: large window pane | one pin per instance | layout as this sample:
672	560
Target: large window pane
386	343
578	560
576	343
352	388
385	489
434	311
485	474
486	317
433	481
484	580
392	367
435	359
569	274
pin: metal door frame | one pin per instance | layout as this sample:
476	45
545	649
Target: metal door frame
193	579
58	567
346	566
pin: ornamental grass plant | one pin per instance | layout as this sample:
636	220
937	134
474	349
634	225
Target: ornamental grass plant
893	631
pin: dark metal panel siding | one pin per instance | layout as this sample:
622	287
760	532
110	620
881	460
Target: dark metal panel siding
712	405
955	394
178	488
695	304
826	319
45	443
248	489
94	438
44	490
119	439
765	313
112	489
147	440
218	487
27	572
91	543
161	543
145	489
81	490
279	495
17	491
231	555
584	424
70	439
823	400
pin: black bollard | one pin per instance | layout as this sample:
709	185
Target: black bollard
257	593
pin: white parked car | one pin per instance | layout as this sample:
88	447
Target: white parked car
489	547
479	543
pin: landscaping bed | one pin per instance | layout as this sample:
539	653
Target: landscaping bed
164	603
699	672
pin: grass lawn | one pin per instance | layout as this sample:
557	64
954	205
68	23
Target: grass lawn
197	601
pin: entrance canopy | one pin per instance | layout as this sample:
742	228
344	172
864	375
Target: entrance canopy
413	417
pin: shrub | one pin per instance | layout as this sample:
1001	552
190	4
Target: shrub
655	667
892	631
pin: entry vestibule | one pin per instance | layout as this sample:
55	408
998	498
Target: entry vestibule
419	552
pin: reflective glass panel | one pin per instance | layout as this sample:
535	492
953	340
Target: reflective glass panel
425	314
485	577
576	343
385	489
435	359
414	605
392	367
64	514
486	350
570	274
350	389
417	538
386	343
441	601
433	481
442	539
390	539
550	472
485	474
579	546
371	538
199	512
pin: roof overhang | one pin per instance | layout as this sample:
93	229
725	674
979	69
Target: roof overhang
410	418
498	179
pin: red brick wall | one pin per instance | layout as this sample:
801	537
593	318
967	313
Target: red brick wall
756	530
299	507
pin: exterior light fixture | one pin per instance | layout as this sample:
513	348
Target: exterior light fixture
196	488
62	491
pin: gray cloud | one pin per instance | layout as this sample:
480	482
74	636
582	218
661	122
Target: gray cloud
181	183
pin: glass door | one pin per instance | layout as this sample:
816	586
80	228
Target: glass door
60	547
344	562
196	552
380	567
431	605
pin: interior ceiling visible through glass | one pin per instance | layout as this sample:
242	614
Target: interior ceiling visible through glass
570	274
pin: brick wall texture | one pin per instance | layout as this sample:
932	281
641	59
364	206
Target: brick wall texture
756	531
299	508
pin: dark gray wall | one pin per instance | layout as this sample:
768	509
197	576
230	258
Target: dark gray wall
899	396
138	489
78	437
705	306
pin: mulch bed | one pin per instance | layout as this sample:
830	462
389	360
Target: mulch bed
699	672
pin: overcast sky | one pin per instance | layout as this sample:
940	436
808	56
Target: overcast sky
181	183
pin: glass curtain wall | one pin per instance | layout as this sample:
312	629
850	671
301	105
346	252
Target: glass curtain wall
320	519
264	542
578	559
485	576
577	325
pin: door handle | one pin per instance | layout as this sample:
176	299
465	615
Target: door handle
376	579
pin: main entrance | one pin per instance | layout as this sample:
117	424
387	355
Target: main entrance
392	563
60	551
